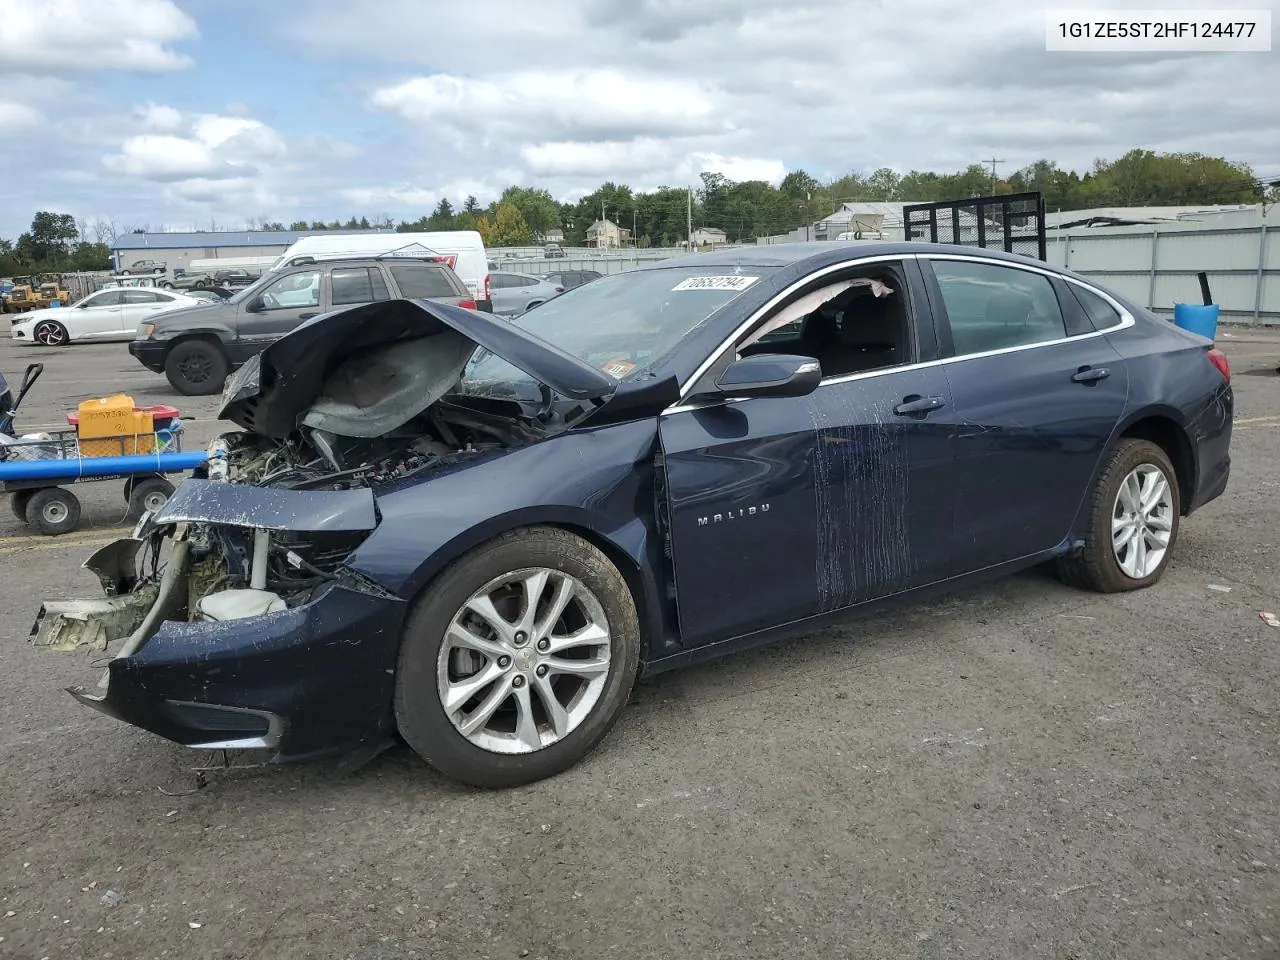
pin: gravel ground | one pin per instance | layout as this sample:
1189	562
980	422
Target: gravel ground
1020	770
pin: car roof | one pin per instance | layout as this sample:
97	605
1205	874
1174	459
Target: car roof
828	251
365	260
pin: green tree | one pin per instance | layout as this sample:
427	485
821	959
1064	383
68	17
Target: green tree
509	228
471	206
442	217
49	241
539	209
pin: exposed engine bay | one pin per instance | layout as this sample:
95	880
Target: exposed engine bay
357	402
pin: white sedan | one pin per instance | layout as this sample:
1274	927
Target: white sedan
112	314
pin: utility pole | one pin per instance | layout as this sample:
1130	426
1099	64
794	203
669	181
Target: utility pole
993	161
689	216
600	238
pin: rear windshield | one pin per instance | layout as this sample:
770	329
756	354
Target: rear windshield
423	281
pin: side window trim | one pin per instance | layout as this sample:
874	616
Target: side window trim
1121	312
944	317
909	292
946	355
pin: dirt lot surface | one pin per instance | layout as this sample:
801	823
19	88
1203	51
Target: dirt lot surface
1021	770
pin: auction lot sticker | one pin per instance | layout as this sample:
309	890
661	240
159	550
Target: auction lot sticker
715	283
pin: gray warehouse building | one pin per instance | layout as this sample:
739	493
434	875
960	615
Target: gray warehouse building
176	249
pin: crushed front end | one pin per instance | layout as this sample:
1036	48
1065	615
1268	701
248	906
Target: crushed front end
234	618
231	618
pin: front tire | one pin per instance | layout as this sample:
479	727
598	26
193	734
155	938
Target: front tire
50	333
196	368
518	659
1133	518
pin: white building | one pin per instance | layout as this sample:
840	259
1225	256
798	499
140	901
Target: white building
709	237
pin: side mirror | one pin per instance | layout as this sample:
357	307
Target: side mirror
253	306
770	375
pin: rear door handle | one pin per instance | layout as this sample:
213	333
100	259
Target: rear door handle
1091	374
918	404
307	316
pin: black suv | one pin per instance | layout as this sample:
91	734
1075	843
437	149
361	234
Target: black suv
196	347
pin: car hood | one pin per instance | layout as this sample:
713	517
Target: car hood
197	310
367	369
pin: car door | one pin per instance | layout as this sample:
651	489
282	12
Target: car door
783	508
504	289
97	315
1037	394
281	305
138	306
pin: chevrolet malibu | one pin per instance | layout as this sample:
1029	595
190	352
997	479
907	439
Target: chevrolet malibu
475	534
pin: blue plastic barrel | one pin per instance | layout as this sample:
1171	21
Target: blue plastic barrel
1197	318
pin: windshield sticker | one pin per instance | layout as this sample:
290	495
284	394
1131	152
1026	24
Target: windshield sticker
715	283
618	368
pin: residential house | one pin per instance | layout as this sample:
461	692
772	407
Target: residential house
709	237
606	233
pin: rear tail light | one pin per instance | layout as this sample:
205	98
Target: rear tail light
486	288
1219	360
467	304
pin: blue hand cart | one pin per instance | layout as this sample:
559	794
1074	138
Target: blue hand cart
34	470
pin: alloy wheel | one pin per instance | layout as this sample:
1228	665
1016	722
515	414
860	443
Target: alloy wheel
1142	521
49	334
524	661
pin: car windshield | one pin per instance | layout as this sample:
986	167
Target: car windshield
245	293
621	324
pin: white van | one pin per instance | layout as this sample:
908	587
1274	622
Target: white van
463	250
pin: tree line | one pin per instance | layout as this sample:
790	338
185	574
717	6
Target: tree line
744	210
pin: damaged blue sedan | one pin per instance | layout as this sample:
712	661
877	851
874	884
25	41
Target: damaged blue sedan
475	534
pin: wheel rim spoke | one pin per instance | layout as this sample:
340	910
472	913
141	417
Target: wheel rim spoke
460	636
526	725
1130	493
482	606
532	587
487	708
1156	489
578	668
559	601
555	711
592	635
463	690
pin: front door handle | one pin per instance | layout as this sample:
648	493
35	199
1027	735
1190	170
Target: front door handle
307	316
1091	374
918	404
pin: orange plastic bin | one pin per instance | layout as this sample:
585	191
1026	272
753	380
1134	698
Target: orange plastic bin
114	427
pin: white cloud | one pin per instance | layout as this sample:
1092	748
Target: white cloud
18	116
158	117
215	147
67	37
550	102
649	88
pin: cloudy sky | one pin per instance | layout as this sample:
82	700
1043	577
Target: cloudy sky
187	113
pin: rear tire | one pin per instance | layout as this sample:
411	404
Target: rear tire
52	511
150	493
1101	564
196	368
593	692
18	503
